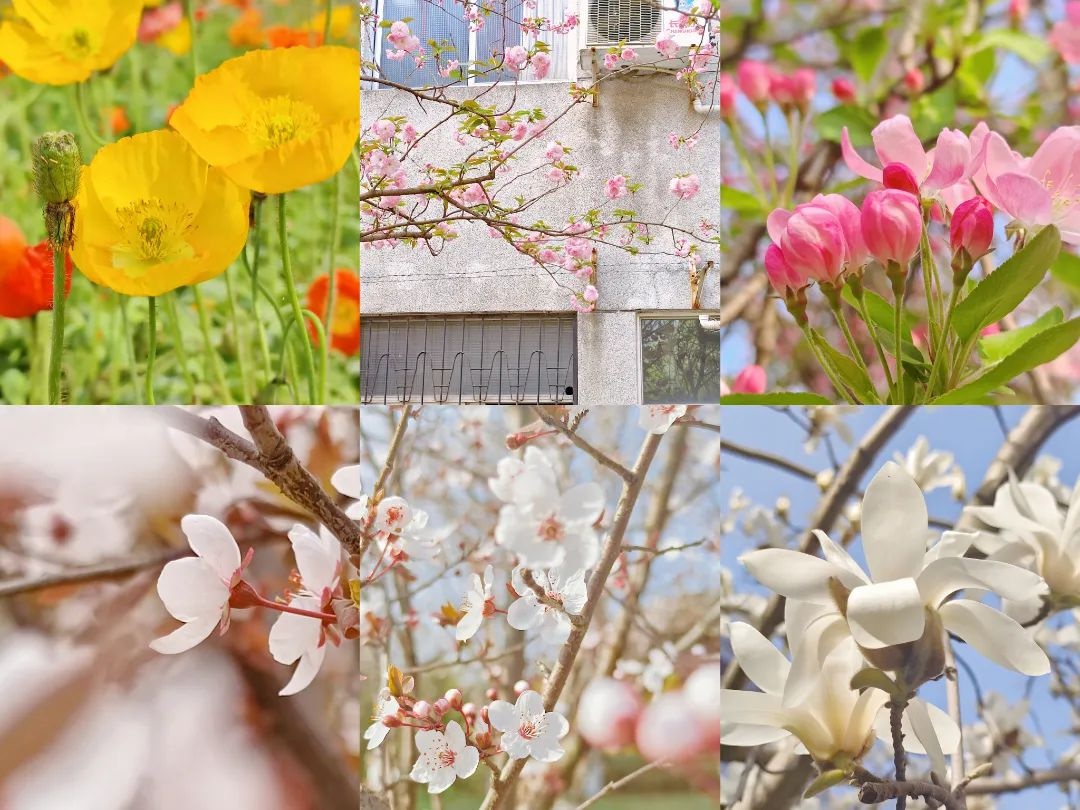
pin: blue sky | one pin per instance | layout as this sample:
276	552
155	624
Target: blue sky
973	434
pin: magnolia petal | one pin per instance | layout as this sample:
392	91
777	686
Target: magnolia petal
763	664
185	637
886	613
995	635
746	735
894	524
740	707
212	540
923	729
792	573
1070	533
838	556
944	577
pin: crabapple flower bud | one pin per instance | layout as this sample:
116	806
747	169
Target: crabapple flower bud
754	79
972	228
813	243
726	90
844	90
751	380
781	275
609	713
900	177
891	226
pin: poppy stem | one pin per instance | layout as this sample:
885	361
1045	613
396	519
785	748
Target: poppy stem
208	345
189	10
331	269
59	299
178	343
326	22
152	351
253	269
294	299
84	119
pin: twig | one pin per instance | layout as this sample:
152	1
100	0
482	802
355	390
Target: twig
611	787
600	456
91	573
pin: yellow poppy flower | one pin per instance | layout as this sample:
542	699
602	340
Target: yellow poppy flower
276	120
65	41
151	216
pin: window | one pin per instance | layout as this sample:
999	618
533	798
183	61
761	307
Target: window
446	25
680	361
496	359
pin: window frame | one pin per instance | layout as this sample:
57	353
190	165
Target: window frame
670	315
575	38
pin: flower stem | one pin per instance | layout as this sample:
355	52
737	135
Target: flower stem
253	268
189	10
129	348
848	337
59	300
826	366
326	22
331	262
173	316
84	119
860	298
272	605
896	719
294	299
213	361
151	354
943	339
241	350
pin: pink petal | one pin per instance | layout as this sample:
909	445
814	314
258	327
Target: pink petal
855	161
776	223
998	159
190	589
951	160
212	540
1056	162
895	141
1023	197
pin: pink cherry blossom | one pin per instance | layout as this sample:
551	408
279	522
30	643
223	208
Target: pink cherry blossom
948	163
384	130
516	57
628	54
528	730
611	60
685	187
666	45
658	418
554	152
615	187
541	65
590	294
445	756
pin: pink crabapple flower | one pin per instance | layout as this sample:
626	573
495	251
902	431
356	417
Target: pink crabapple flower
385	706
751	380
658	418
754	79
609	713
726	92
950	162
196	590
1041	190
972	227
685	187
783	278
819	240
892	225
1065	36
528	730
527	612
444	757
302	638
475	605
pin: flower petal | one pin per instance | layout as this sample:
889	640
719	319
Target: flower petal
894	524
995	635
291	635
305	672
895	141
212	540
582	504
1024	198
792	573
501	715
185	637
886	613
944	577
855	162
763	664
347	481
316	558
190	589
951	159
465	763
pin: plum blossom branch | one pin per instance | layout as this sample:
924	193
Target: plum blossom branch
598	455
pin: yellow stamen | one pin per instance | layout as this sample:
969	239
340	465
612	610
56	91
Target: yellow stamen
279	120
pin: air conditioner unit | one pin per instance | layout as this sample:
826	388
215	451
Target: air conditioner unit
636	23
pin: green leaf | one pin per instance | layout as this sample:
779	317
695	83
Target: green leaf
1066	269
1002	291
994	348
1027	46
14	387
867	50
850	372
742	202
776	398
858	121
824	781
881	313
1040	349
931	112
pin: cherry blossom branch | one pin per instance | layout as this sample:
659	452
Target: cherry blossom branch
499	792
599	456
271	455
529	578
91	573
611	787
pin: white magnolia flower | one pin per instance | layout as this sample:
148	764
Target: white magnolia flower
932	469
816	705
301	638
1001	735
553	530
1036	533
907	583
528	730
517	478
528	612
658	418
444	757
385	706
196	590
475	603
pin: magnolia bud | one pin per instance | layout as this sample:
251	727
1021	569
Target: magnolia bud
57	166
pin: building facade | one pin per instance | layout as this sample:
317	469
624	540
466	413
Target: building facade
476	320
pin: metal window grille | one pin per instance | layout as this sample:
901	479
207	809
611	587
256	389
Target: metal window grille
635	22
495	359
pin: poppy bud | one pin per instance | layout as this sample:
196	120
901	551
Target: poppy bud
57	166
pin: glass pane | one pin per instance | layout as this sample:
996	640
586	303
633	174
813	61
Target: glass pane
680	361
502	30
427	22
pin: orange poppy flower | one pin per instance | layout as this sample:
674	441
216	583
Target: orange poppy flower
118	120
282	36
247	31
12	245
27	288
344	326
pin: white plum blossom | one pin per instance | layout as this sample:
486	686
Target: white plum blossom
546	529
816	705
196	590
405	529
444	757
518	478
652	674
932	469
475	604
385	706
658	418
528	612
909	588
347	481
302	638
528	730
